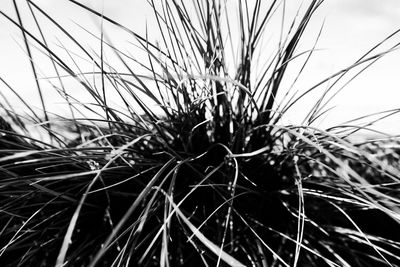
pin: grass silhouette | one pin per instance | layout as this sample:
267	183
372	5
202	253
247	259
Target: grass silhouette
213	176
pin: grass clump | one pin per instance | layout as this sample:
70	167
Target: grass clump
212	176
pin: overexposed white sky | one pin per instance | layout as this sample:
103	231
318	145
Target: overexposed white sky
351	27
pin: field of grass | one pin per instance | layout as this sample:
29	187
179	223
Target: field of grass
190	163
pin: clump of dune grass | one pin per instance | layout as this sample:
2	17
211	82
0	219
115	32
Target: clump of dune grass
212	177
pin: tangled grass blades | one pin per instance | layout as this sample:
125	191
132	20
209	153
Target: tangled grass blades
195	165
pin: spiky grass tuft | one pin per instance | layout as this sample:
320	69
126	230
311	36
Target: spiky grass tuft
214	177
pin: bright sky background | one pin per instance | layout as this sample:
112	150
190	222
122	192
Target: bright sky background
351	27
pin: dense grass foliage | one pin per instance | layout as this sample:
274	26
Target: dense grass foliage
212	177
